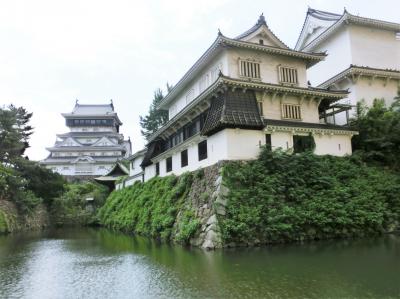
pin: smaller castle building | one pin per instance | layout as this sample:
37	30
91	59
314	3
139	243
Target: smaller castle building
92	145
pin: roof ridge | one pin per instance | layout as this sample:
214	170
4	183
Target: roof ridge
311	10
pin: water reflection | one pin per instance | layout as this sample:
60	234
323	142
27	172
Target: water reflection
93	263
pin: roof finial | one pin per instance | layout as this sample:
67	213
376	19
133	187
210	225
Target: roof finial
344	10
76	102
112	104
219	32
261	20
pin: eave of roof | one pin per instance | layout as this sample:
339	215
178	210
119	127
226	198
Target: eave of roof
64	160
354	69
224	80
84	148
276	124
137	154
90	134
92	116
220	41
349	18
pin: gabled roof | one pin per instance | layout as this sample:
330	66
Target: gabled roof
104	141
118	171
98	109
331	22
222	41
315	21
261	27
83	159
68	142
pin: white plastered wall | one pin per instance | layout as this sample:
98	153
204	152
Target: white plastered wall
338	49
272	108
374	47
336	145
268	65
207	76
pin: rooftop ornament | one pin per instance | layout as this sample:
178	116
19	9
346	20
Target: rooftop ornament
261	20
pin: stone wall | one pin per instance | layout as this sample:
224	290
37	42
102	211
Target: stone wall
13	221
206	199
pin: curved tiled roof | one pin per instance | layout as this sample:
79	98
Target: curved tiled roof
364	70
233	109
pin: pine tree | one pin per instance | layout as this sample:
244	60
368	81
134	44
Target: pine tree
14	132
155	118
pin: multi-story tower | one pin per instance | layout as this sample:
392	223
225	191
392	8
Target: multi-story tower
363	54
93	144
243	93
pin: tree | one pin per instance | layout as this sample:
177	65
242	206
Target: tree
155	118
43	182
14	132
379	133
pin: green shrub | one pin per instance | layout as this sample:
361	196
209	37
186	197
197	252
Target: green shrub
71	207
148	208
187	226
3	223
282	197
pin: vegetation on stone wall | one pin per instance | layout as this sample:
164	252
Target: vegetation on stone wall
282	197
3	223
72	207
152	208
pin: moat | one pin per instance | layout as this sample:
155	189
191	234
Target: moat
97	263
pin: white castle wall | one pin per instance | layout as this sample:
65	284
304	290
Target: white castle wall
339	57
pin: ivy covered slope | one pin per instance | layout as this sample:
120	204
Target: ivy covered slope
152	209
283	198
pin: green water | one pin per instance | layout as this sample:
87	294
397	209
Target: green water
93	263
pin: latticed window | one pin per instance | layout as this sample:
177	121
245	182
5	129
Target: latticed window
249	69
288	75
291	111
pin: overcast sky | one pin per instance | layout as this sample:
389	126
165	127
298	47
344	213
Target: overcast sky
53	52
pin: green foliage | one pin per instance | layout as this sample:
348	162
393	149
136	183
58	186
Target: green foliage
3	223
148	208
282	197
156	118
14	187
14	132
378	141
187	226
72	207
41	181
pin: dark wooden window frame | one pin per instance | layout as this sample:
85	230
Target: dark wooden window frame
168	164
202	150
184	158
